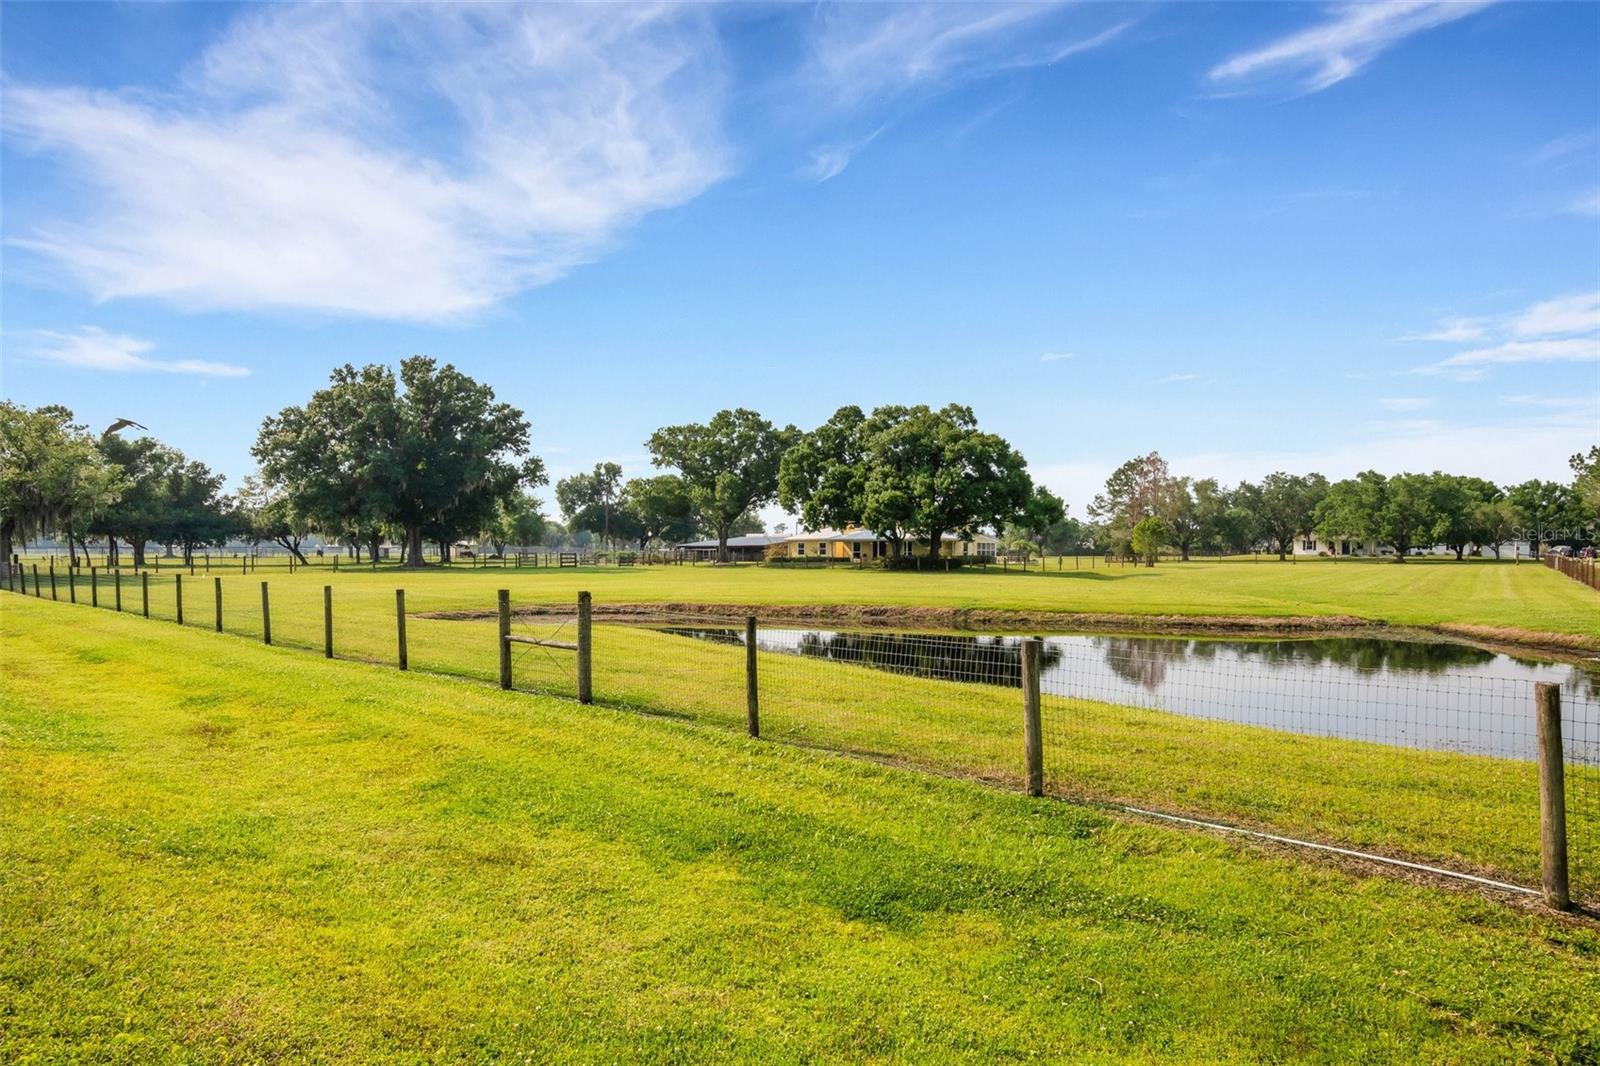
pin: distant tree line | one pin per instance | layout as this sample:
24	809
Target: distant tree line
59	479
1145	509
426	454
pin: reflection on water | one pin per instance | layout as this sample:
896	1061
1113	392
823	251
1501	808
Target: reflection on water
987	660
1415	694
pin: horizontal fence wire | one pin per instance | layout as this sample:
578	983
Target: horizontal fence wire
1436	764
1383	747
1580	735
1416	751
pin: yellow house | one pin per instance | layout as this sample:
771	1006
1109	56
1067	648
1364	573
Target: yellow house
853	544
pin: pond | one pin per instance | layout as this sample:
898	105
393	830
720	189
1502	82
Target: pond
1416	694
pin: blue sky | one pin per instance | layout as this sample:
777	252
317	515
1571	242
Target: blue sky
1250	236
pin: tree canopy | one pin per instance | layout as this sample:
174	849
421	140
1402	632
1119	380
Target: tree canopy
429	452
592	502
53	475
906	472
729	465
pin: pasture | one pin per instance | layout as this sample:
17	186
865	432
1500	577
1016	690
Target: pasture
214	849
1524	597
1473	813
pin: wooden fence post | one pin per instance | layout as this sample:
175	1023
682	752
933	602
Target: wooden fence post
144	592
36	593
752	692
217	589
327	621
177	588
585	649
116	575
503	602
400	623
94	587
53	577
72	585
1032	734
1552	798
266	616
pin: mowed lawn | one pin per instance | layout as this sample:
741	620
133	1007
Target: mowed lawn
1473	813
1525	596
212	850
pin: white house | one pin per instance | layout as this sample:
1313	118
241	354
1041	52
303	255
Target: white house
853	544
1312	544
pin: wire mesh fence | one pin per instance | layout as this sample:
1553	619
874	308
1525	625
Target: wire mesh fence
1419	761
1420	752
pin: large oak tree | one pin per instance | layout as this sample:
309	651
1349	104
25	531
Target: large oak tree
429	451
729	465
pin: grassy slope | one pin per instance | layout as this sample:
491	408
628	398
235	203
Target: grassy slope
1527	596
1473	813
213	847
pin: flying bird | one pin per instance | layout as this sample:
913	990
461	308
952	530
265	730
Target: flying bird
120	424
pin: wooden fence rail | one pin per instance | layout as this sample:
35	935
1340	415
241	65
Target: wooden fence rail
1582	570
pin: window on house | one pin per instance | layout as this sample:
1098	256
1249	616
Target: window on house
855	550
986	548
800	547
1309	544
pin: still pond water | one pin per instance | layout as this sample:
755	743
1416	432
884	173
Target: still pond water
1413	694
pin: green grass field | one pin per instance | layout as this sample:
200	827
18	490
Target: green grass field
1469	812
1527	596
213	850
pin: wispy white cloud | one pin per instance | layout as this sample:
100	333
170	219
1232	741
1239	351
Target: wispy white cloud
1586	204
1562	150
1352	35
869	59
1454	331
1056	357
1569	349
93	348
829	161
287	172
1560	406
860	51
1171	378
1566	329
1566	315
1404	403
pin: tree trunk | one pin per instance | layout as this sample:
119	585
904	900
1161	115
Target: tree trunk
413	545
1460	548
935	543
7	533
292	544
1183	550
722	544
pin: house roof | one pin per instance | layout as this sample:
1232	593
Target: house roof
753	540
868	535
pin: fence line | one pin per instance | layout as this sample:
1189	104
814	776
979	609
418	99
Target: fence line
1477	772
1583	570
